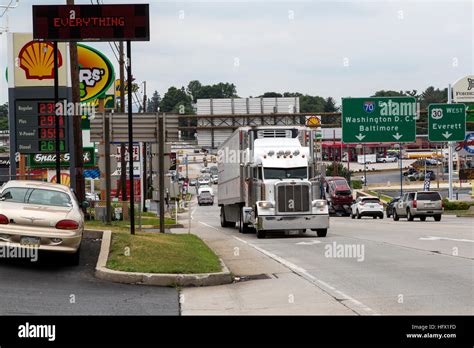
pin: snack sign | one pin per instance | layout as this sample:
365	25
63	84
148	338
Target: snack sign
96	73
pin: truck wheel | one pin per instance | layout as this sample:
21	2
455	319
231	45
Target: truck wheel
410	217
352	216
261	234
243	228
422	218
224	222
358	215
395	216
322	232
437	217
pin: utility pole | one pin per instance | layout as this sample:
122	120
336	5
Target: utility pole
77	156
123	163
144	96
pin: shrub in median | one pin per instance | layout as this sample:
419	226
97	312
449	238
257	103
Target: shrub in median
456	205
356	184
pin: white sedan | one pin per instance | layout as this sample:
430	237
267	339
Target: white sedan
41	215
367	206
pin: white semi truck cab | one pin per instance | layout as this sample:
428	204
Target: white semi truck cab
269	181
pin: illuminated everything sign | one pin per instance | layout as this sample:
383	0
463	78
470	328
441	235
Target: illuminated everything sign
91	22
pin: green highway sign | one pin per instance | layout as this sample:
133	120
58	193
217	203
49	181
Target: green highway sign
378	120
446	122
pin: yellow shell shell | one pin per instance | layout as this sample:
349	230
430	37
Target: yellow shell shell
37	59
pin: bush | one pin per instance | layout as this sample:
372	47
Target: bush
356	184
456	205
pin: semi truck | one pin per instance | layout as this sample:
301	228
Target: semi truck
270	180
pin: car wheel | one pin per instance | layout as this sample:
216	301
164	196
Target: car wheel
352	216
422	218
322	232
410	217
358	214
395	216
381	216
388	214
437	217
261	234
374	217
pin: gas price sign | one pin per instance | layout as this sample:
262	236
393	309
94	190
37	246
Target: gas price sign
36	127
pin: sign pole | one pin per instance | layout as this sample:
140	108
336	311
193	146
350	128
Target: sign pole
57	117
130	137
450	152
400	159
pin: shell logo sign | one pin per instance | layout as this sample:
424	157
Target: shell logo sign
313	121
37	60
96	73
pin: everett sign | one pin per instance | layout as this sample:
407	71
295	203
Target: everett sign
91	22
446	122
377	120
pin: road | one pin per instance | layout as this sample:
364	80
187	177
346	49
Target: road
46	288
388	267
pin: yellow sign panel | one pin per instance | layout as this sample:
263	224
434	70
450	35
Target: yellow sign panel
33	62
313	121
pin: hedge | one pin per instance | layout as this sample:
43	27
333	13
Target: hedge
356	184
456	205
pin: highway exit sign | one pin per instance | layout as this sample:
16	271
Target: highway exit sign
446	122
378	120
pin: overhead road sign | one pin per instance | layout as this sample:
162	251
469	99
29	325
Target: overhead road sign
379	120
446	122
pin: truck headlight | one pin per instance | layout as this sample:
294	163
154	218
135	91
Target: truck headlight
265	204
319	204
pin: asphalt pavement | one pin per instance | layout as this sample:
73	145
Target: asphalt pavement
47	287
370	266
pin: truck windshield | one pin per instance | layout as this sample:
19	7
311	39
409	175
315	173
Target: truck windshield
285	173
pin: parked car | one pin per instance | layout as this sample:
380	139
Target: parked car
41	215
390	206
387	159
367	206
419	205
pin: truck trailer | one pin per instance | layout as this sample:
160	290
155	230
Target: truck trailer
269	180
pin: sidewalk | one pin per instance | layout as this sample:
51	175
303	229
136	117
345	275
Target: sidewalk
277	290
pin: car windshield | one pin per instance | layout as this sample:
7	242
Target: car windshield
285	173
428	196
341	182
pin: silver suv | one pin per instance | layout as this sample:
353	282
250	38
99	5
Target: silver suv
419	204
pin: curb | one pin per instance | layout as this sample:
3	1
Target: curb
155	279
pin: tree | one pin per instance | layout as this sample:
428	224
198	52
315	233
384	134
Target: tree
330	105
173	99
389	93
4	116
221	90
432	95
154	102
271	95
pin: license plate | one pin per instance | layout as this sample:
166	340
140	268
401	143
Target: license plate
30	241
371	206
429	204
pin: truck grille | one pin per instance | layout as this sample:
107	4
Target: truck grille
293	198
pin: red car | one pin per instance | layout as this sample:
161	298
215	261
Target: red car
338	194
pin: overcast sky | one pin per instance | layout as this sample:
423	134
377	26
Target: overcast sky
327	48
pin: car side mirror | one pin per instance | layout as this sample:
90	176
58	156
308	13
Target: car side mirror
85	204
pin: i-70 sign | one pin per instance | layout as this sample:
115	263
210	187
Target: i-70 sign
446	122
381	119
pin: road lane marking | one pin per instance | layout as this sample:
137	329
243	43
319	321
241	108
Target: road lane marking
360	308
446	238
207	225
309	243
